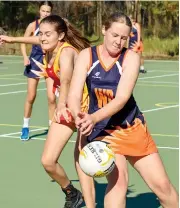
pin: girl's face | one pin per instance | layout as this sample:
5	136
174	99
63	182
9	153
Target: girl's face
44	11
115	37
48	36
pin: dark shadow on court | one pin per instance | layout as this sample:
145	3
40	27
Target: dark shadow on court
40	134
148	200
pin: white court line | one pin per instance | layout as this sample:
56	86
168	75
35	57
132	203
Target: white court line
13	62
16	92
4	67
156	109
23	83
5	135
7	75
160	82
154	70
167	75
72	141
165	61
173	148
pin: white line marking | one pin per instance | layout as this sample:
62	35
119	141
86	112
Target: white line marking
158	82
16	92
23	83
14	62
7	75
156	109
165	61
3	68
167	75
72	141
5	135
173	148
154	70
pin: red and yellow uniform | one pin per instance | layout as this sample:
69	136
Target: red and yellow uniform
54	71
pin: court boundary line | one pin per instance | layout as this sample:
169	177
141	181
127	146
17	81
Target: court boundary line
156	109
159	76
159	82
20	83
9	75
9	134
17	92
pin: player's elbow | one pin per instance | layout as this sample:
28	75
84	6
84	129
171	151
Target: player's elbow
121	100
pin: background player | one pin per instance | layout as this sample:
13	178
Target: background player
45	9
135	41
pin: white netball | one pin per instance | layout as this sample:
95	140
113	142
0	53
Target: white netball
96	159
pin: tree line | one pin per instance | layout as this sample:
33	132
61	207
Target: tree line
159	21
157	18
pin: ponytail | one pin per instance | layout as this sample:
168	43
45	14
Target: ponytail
74	37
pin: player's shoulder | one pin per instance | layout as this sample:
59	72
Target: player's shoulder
85	52
68	50
137	24
131	55
32	25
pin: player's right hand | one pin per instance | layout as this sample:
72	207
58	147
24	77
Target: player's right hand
63	114
5	39
26	61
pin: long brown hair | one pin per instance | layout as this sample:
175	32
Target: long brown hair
72	35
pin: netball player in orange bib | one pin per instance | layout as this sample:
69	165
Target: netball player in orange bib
61	43
110	72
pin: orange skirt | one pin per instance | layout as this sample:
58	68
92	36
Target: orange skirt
132	141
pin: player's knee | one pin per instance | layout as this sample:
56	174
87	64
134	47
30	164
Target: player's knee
31	97
163	188
51	100
48	164
119	182
122	185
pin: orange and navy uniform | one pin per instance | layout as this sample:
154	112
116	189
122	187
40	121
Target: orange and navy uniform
126	130
36	54
133	39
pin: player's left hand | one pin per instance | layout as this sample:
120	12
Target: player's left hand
84	123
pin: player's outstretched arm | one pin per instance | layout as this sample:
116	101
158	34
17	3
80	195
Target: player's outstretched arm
11	39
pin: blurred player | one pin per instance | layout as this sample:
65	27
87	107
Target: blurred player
135	41
45	9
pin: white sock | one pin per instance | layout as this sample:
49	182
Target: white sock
26	122
50	122
142	67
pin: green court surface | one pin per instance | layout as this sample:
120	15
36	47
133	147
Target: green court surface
23	181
